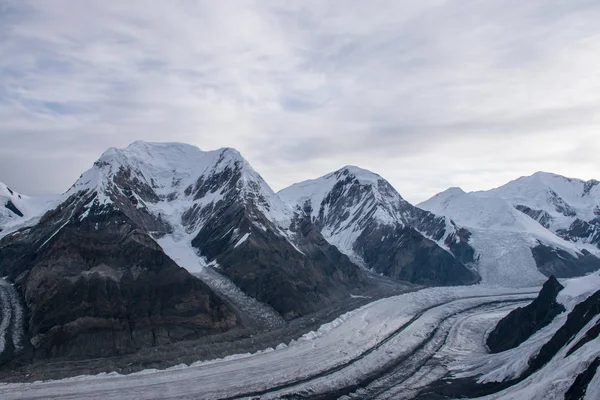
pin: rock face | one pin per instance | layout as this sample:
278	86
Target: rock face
270	253
562	264
214	204
523	322
365	218
99	285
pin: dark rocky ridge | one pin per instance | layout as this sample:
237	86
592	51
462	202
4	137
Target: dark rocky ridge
540	216
578	318
523	322
99	285
562	264
579	229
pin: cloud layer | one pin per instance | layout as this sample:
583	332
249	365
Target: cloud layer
429	94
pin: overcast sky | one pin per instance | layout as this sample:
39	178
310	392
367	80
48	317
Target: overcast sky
427	93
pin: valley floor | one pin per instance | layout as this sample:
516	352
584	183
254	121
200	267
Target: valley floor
391	348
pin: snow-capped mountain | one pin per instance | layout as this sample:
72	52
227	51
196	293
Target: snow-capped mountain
512	235
111	259
129	224
568	207
366	218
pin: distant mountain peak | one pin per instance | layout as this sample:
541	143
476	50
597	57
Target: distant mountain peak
363	175
556	219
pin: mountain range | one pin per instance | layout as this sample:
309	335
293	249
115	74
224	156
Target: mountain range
137	252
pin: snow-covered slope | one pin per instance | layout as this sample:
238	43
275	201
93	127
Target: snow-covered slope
17	210
8	209
366	218
513	247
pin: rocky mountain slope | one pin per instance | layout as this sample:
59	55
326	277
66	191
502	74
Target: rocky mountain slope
216	209
95	284
514	245
367	219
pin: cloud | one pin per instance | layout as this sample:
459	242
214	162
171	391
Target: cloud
429	94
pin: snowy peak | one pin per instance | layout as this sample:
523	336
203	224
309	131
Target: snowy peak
346	197
163	168
442	200
552	193
362	175
170	179
366	218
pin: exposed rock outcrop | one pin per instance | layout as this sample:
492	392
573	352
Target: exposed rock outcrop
562	264
523	322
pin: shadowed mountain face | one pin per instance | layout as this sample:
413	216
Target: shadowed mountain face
523	322
560	263
99	285
361	214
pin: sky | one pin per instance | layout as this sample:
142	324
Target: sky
429	94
